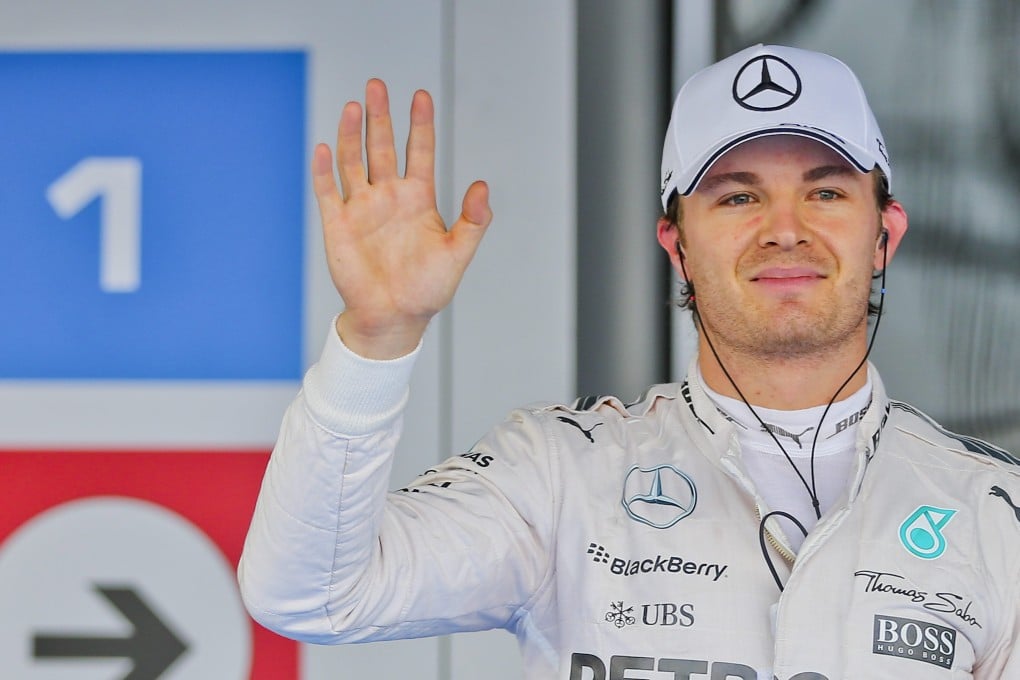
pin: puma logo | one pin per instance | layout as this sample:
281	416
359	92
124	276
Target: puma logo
1001	493
780	432
586	433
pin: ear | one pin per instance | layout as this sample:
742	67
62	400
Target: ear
894	221
669	238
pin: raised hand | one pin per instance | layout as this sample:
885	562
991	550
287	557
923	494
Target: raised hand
390	255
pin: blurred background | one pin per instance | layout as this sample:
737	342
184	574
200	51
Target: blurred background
164	287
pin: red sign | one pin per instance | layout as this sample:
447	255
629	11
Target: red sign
211	492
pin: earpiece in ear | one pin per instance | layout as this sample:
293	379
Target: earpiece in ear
885	237
679	250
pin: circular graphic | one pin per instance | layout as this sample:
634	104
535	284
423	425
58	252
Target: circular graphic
658	496
766	83
93	588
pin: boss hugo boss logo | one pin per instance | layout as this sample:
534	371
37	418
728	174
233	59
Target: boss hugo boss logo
658	496
921	532
849	421
917	640
766	83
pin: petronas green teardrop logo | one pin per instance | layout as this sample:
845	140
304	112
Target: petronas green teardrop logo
921	533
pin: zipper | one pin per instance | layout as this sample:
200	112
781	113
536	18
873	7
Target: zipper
783	552
734	471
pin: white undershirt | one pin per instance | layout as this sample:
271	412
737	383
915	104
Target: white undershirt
772	474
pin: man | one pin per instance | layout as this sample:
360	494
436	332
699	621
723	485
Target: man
775	515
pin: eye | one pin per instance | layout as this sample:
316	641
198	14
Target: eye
827	194
737	199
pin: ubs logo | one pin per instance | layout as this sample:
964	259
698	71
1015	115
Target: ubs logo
766	83
654	614
658	496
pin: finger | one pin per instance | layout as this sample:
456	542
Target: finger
421	140
474	219
324	185
382	155
348	150
350	163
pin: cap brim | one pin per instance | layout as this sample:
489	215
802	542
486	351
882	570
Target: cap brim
861	159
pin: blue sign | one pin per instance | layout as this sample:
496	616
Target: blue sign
152	215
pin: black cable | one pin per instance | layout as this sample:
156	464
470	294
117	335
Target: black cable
704	332
874	333
764	548
812	489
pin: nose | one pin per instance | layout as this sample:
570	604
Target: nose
783	227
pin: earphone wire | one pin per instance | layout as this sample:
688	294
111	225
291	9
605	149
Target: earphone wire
871	344
697	317
811	488
764	548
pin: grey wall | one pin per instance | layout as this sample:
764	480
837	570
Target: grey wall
503	78
942	80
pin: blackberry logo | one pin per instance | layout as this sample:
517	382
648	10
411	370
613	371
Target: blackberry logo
659	564
600	554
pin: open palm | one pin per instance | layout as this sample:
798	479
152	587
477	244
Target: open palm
390	255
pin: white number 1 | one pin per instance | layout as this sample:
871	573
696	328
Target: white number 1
118	182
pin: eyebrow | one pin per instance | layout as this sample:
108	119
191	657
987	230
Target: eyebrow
824	171
813	175
715	181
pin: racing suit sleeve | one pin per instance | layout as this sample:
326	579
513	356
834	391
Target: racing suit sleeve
332	557
1007	652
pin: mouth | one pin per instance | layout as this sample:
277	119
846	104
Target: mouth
785	280
781	274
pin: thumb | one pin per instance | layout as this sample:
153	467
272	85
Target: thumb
475	216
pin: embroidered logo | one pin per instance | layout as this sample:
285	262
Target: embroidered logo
921	532
1004	495
574	423
780	432
772	86
658	496
620	616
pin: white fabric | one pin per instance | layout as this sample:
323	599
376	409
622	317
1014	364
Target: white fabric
555	527
767	90
771	472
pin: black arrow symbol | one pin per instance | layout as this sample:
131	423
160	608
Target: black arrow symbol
153	647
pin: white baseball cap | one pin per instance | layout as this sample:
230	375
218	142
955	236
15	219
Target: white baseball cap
768	90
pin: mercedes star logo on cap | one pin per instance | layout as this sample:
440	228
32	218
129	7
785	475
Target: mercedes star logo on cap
766	83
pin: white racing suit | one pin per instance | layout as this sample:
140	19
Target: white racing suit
622	541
